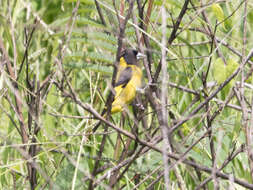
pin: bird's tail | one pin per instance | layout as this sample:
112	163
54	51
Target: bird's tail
116	109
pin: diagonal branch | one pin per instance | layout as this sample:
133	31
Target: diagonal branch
200	106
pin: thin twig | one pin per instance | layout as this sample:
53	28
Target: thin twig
164	99
230	157
222	85
89	108
172	35
100	13
23	127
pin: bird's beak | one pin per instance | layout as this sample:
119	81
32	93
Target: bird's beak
140	56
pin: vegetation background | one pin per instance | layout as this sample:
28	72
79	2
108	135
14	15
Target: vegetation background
191	128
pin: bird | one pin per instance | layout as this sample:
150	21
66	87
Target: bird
128	79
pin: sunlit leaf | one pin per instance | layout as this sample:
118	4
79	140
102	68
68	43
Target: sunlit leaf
219	71
218	12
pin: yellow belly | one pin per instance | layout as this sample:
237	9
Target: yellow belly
125	95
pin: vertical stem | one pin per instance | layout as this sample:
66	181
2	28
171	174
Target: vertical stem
164	96
245	116
249	141
18	98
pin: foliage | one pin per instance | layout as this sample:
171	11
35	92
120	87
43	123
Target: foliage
62	55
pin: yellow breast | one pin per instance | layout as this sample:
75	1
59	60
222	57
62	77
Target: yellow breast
137	76
125	95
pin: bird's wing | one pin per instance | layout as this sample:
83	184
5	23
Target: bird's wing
124	77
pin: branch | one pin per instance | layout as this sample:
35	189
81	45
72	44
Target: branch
16	93
200	106
173	35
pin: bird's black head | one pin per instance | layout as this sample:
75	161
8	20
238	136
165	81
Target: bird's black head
131	56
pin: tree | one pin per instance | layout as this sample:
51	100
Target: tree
191	128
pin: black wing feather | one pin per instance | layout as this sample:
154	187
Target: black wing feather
124	77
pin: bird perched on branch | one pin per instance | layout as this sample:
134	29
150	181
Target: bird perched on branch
128	79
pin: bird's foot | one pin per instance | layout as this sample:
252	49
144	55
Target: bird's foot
140	106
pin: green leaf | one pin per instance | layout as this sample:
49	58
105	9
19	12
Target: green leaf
75	55
103	36
84	10
95	56
92	67
158	2
17	168
104	45
87	2
59	22
219	71
89	22
64	178
218	12
190	46
78	40
231	66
